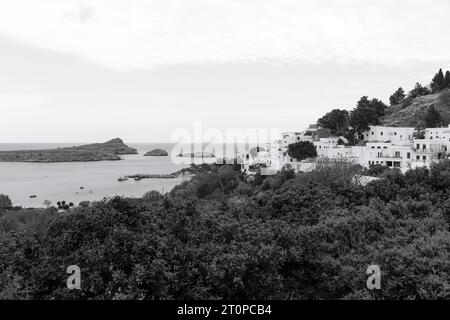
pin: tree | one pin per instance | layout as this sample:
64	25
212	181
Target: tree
437	84
304	236
336	120
397	97
447	79
5	202
302	150
418	91
366	113
432	118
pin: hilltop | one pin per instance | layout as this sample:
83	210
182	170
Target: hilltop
423	107
109	150
411	111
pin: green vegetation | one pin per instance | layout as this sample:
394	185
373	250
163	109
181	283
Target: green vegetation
418	91
223	235
302	150
336	120
397	97
432	118
366	113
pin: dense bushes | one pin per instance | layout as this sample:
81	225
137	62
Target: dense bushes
222	235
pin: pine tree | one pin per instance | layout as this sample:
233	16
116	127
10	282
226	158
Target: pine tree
397	97
447	79
437	84
336	120
418	91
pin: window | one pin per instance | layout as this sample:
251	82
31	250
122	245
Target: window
395	133
397	154
373	147
408	155
424	158
381	133
417	157
417	146
424	147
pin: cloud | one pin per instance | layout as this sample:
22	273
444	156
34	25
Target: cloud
140	34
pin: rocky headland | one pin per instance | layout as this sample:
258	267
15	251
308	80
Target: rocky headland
110	150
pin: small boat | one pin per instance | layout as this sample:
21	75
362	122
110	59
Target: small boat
137	179
81	188
33	196
122	179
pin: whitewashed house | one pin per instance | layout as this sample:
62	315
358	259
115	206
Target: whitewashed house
395	135
394	147
438	133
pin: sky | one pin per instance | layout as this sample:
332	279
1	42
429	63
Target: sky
89	71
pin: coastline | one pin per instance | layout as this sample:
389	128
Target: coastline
107	151
58	181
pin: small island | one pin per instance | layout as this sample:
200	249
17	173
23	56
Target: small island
109	150
157	153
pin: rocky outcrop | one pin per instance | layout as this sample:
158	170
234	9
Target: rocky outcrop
109	150
157	153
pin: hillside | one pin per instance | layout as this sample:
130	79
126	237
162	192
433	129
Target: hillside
410	112
109	150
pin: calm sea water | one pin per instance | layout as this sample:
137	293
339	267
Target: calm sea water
81	181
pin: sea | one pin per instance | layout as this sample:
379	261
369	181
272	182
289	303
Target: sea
84	181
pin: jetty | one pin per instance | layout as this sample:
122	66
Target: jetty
138	177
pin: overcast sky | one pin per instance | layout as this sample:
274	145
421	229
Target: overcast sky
82	71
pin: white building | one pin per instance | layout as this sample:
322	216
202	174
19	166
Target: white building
438	133
394	147
395	135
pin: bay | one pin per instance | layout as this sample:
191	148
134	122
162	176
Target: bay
83	181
